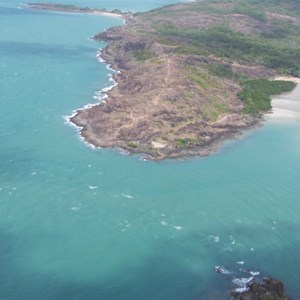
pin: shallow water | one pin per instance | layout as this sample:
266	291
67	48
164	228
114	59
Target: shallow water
78	223
286	107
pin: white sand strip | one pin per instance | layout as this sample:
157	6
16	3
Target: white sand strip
286	107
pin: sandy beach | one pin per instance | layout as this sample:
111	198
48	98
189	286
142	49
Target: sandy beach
286	107
107	14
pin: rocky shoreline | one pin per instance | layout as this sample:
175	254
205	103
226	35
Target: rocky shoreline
99	127
159	151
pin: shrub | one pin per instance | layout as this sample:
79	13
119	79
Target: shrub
256	94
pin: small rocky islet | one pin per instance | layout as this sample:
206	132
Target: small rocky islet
268	289
252	285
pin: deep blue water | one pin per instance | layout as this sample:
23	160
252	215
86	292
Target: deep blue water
78	223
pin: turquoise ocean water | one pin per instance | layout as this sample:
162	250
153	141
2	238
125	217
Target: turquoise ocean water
80	223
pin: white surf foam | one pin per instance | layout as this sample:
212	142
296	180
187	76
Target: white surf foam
92	187
241	290
128	196
178	228
254	273
99	96
75	208
216	239
242	282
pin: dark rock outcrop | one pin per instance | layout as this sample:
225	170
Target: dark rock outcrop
268	289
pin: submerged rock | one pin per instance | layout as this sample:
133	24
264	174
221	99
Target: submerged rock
267	289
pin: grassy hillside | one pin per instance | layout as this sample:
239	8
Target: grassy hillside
247	32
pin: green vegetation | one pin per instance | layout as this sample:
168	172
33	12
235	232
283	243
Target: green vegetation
66	6
252	8
224	42
202	78
295	72
287	7
132	144
186	142
69	7
220	107
213	109
116	11
245	8
221	70
256	94
142	55
167	42
190	50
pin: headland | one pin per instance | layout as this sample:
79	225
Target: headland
192	75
